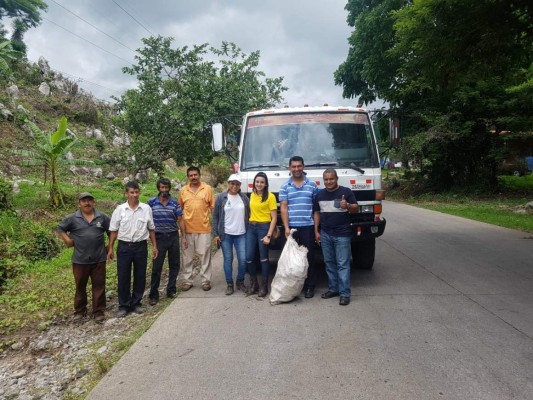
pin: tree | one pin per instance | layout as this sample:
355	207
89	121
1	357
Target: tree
17	37
27	11
456	72
180	94
50	152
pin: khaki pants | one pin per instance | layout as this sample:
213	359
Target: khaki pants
199	243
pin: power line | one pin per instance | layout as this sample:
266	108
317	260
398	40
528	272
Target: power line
95	27
78	36
132	17
136	11
88	41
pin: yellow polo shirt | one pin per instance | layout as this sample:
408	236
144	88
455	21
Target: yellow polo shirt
197	207
259	211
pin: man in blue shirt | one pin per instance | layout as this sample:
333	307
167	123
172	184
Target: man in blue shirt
332	232
167	215
296	198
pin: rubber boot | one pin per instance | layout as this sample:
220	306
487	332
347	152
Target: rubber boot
241	286
229	289
263	288
253	286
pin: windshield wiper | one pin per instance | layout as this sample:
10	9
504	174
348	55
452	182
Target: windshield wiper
352	166
262	166
322	164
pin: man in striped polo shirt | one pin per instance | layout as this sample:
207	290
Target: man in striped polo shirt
296	197
167	216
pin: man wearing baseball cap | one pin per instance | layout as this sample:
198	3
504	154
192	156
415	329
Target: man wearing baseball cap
84	230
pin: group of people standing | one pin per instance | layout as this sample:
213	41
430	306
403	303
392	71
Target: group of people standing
247	225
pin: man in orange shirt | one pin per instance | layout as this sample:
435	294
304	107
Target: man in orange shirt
197	202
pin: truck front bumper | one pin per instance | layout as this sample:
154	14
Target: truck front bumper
367	229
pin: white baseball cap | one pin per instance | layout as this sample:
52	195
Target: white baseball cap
234	178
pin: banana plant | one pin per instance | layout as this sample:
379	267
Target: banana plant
51	149
7	54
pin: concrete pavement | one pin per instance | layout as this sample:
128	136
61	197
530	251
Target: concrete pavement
445	314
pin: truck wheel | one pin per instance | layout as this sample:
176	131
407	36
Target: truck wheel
363	254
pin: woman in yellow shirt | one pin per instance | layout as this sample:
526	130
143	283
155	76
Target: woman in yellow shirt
263	218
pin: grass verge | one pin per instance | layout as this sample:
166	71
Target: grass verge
505	207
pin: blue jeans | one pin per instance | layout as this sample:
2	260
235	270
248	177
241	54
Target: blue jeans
239	242
253	242
336	250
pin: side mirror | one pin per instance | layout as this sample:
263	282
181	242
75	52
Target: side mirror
218	138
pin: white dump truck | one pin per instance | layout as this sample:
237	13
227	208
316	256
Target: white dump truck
326	137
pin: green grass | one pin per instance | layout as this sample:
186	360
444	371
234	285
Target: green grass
491	212
44	291
504	207
516	183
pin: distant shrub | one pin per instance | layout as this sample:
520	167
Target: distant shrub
86	113
28	75
43	244
219	169
11	263
6	194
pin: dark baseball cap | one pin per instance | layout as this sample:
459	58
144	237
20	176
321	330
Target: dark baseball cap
84	195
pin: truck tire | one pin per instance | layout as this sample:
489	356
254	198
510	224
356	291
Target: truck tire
363	254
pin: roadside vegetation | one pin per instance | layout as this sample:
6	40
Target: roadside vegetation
504	206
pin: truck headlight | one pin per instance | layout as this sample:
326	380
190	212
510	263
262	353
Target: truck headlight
367	209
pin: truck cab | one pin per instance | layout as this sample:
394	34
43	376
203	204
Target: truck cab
326	137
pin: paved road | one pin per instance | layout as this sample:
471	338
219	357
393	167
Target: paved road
445	314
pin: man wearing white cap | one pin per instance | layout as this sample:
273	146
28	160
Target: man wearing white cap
85	230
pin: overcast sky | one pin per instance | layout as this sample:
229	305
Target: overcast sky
302	40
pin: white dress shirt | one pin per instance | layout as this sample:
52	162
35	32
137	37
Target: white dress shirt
132	225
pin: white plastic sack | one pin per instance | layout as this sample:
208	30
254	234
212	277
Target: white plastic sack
291	272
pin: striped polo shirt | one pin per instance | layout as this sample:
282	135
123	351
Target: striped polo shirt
300	202
165	216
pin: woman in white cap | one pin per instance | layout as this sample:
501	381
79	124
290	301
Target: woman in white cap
230	222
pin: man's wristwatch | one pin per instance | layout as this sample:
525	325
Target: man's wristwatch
269	236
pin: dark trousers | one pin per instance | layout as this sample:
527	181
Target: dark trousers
128	255
167	243
82	273
305	236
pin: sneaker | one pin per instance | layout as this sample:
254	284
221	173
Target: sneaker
153	302
138	310
206	286
171	295
122	312
99	318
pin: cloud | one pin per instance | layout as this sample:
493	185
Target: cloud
303	41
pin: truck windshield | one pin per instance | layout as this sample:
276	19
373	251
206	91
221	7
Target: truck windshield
322	139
